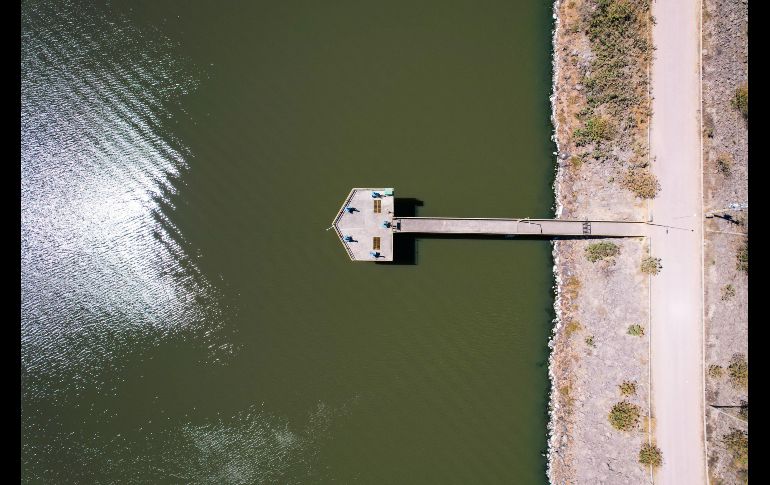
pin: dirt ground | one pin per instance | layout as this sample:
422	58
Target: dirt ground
725	67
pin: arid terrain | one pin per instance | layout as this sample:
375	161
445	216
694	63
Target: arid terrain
725	176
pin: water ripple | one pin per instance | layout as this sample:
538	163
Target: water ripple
103	265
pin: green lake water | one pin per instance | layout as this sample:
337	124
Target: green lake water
187	318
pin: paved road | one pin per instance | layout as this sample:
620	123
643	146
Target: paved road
676	293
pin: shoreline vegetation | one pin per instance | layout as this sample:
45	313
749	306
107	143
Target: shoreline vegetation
600	104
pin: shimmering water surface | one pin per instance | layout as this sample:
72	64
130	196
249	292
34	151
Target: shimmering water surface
186	317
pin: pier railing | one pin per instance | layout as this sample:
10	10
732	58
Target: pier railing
336	220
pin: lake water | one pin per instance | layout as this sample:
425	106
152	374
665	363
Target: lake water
187	318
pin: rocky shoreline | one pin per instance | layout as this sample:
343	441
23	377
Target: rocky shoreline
593	350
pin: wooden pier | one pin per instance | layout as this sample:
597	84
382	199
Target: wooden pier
366	225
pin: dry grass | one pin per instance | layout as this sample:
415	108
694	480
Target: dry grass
728	291
624	416
650	455
738	370
572	327
651	265
628	388
725	164
737	443
643	183
572	287
740	100
601	250
565	393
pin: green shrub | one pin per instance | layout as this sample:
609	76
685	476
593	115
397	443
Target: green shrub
624	416
741	100
743	257
643	183
628	388
590	341
594	130
728	291
651	265
737	443
636	330
739	371
601	250
715	371
650	455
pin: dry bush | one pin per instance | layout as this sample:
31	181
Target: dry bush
594	130
576	162
624	416
601	250
737	442
572	327
572	288
628	388
743	257
643	183
650	455
740	100
565	393
725	164
651	265
739	371
708	125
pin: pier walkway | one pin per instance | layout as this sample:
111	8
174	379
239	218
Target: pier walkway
531	227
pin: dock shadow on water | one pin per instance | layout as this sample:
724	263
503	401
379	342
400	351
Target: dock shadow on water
404	245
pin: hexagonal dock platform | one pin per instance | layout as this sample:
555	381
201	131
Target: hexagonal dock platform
364	222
